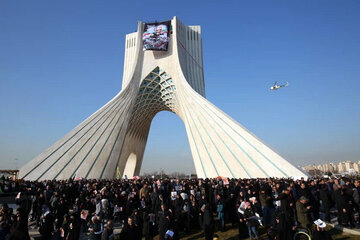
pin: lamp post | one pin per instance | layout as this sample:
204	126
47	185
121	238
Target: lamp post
16	163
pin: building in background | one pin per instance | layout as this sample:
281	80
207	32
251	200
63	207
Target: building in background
346	167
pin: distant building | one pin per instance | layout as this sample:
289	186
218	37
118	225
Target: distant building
334	168
9	173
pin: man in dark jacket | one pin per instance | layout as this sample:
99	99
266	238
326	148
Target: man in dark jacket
303	213
164	221
130	231
281	228
266	201
47	227
96	228
287	205
314	199
108	233
356	196
303	191
326	201
344	205
321	234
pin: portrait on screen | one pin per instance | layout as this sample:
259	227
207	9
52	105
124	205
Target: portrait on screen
156	36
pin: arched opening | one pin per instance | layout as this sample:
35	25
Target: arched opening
130	166
167	147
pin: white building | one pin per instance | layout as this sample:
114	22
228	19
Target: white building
113	139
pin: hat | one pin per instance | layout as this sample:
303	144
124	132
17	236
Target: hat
320	223
303	198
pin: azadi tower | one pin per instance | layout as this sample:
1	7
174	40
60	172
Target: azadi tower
159	76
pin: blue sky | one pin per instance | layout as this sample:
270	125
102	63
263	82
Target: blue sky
62	60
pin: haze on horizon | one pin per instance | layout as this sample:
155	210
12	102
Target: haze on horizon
61	61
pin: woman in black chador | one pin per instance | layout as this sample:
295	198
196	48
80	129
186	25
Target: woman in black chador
21	230
207	222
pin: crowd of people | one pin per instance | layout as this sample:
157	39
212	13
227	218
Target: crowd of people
148	207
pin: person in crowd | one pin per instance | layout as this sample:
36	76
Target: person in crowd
344	203
130	230
96	228
148	224
144	193
39	203
21	230
287	205
99	209
164	221
325	197
186	215
320	233
65	227
356	197
303	210
3	231
108	233
267	204
47	224
220	213
74	227
252	222
179	205
207	221
281	228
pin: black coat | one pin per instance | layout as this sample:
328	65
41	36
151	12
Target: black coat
164	220
282	227
131	232
208	223
47	227
21	230
74	230
321	235
325	197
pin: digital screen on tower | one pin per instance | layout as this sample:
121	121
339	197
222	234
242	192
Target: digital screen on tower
156	36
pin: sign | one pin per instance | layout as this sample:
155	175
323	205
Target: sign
173	195
84	214
225	181
156	36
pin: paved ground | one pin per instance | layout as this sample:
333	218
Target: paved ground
355	230
34	232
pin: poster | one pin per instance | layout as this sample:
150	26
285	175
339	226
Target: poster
242	207
152	217
156	36
170	233
173	195
225	181
84	214
184	195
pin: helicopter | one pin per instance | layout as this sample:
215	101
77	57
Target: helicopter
276	87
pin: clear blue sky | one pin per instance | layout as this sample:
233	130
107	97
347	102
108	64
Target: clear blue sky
62	60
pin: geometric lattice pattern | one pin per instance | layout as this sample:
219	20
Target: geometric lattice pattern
156	94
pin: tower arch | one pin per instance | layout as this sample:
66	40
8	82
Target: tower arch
115	136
